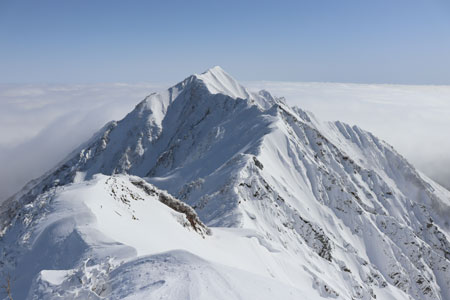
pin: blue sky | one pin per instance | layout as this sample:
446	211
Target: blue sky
381	41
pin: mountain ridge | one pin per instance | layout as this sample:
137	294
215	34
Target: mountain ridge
308	192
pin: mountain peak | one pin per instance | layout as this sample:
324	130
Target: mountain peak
216	69
217	81
327	207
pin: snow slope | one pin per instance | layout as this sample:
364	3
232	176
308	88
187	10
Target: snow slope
295	207
108	238
389	111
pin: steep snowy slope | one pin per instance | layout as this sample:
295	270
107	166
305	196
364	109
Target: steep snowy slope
317	210
96	239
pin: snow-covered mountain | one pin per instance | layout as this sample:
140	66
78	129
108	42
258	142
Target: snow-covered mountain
210	191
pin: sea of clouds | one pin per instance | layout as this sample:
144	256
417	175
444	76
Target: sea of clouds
41	124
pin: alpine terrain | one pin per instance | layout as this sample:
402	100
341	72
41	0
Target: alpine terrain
209	191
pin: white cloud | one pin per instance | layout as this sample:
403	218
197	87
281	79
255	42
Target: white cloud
41	124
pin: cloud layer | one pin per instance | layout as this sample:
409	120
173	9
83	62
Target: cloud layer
41	124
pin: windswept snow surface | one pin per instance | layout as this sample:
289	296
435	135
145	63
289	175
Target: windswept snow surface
107	238
413	118
295	208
